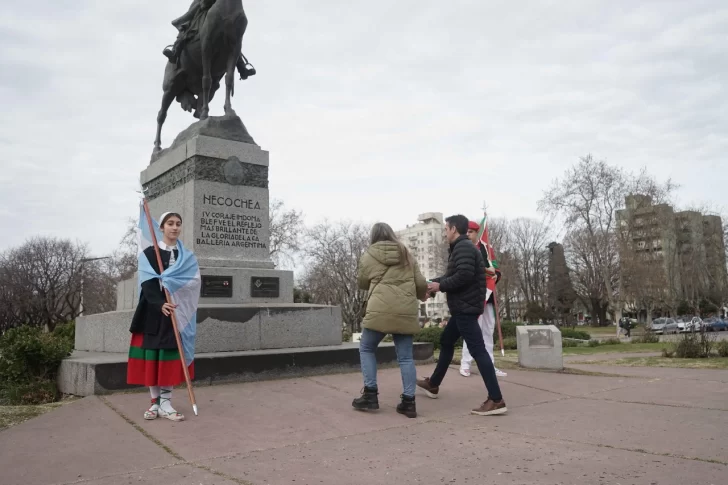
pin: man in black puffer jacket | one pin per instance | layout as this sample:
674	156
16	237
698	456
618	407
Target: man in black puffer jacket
464	284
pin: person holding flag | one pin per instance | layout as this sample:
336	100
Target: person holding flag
487	320
165	293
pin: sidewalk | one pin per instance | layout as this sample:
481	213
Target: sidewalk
663	426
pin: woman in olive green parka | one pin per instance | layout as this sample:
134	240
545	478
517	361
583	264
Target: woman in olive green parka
394	284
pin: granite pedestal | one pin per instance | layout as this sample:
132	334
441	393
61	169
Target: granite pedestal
539	347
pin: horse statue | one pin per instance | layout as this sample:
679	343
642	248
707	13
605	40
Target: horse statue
212	50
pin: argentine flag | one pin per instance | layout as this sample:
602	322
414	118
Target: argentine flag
181	279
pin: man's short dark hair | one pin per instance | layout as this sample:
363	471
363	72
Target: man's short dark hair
459	222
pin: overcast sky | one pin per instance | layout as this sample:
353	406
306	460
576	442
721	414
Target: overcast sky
371	110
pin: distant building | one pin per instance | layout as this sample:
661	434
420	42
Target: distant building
426	241
686	250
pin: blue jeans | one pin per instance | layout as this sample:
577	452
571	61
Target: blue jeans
370	340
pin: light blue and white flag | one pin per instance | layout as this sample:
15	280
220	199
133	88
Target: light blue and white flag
181	279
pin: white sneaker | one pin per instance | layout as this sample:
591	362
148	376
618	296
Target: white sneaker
465	372
500	373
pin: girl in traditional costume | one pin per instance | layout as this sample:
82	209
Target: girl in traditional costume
154	359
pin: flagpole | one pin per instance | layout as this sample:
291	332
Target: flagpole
484	230
185	370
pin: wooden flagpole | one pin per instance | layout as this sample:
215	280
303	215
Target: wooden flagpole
185	370
495	295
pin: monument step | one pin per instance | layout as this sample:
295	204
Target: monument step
90	373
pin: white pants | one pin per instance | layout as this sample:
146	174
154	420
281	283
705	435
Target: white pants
487	325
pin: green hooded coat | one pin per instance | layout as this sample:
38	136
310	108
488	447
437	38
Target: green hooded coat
394	290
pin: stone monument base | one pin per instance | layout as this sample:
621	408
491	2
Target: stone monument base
539	347
90	373
226	328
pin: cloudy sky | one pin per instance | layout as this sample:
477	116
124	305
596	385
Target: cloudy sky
370	110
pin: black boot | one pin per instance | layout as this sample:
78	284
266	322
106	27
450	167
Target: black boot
367	401
245	69
170	52
407	407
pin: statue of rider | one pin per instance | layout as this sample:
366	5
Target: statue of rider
188	26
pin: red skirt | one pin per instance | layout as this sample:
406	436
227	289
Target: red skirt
148	367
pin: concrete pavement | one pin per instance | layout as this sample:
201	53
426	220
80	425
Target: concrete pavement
653	426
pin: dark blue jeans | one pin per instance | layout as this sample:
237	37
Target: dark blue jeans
467	327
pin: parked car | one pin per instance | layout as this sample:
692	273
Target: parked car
695	324
672	326
715	324
659	324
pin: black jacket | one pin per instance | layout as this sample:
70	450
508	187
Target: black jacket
464	281
148	317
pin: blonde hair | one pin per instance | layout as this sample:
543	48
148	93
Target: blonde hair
382	231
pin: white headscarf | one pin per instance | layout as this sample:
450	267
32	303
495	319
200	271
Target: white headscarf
168	248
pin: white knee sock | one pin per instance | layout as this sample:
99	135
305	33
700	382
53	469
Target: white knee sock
166	399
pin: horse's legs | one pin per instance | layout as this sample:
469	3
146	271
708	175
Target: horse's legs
206	80
230	80
167	99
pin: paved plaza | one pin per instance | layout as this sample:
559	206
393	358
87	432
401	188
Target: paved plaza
645	426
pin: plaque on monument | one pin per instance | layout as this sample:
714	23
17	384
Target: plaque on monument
268	287
217	286
540	338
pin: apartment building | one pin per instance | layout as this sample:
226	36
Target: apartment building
686	249
426	241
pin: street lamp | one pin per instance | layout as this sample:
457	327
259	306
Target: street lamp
86	260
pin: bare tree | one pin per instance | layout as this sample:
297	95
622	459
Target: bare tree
529	238
123	262
561	293
507	290
333	251
586	276
586	199
286	228
41	281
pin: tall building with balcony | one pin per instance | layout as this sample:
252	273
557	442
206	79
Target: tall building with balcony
426	241
685	250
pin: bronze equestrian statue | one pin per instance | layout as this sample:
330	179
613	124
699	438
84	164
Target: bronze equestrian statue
208	46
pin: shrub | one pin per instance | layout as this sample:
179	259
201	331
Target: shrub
722	348
66	331
569	343
345	335
28	352
29	362
647	338
429	334
510	343
508	329
668	353
687	348
577	334
693	345
594	343
611	341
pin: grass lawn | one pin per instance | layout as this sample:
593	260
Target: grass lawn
12	415
609	331
616	348
710	363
